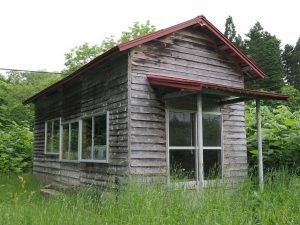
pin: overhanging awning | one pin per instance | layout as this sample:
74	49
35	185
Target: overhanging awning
244	94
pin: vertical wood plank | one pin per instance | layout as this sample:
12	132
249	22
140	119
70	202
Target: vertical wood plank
259	146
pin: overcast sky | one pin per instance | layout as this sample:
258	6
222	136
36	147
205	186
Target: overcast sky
35	34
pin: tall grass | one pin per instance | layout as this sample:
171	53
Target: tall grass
279	203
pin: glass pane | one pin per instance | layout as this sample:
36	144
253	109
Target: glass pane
49	137
100	137
181	129
65	141
56	136
212	126
212	164
74	142
210	104
87	138
182	165
183	103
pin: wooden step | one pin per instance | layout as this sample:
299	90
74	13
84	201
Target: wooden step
50	192
56	186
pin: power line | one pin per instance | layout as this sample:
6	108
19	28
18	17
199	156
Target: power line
31	71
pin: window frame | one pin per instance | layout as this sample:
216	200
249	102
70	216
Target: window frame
199	180
93	130
69	122
46	139
183	148
219	148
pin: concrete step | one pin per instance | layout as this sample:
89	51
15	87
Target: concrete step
50	192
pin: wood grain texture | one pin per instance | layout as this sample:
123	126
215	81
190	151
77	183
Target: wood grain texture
102	89
187	54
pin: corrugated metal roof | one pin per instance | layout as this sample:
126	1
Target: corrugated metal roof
199	20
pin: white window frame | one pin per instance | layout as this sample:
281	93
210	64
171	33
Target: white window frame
93	127
46	139
69	139
183	148
199	179
211	182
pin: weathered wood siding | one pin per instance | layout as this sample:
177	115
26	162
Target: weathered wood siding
137	113
234	142
191	54
105	88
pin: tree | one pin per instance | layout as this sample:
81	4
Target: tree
287	61
232	35
291	63
230	31
295	65
83	54
17	87
264	49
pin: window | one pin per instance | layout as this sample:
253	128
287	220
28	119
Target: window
70	141
182	146
95	138
194	139
52	136
212	127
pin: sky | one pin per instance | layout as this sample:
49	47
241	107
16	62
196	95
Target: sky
35	34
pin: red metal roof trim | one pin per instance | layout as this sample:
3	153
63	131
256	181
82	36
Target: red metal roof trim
201	20
199	85
212	28
75	74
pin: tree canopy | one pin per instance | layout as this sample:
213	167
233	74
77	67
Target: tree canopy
232	35
291	64
81	55
264	49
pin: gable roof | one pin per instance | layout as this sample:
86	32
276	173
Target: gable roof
224	44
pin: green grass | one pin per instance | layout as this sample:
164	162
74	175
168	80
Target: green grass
279	203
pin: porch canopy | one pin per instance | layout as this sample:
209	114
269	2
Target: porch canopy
171	87
240	94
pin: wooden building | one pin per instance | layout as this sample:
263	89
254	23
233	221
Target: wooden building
168	104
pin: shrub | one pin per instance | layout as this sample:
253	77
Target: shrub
15	147
281	137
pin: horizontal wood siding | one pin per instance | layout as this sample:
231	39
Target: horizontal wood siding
234	142
102	89
190	54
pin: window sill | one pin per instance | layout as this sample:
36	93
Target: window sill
194	184
69	161
51	153
94	161
84	161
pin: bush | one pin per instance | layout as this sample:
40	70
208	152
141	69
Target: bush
281	137
15	147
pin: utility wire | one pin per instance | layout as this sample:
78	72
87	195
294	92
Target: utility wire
31	71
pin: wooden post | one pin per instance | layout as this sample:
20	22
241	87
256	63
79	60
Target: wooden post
200	140
259	146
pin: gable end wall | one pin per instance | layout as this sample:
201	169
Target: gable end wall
188	54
